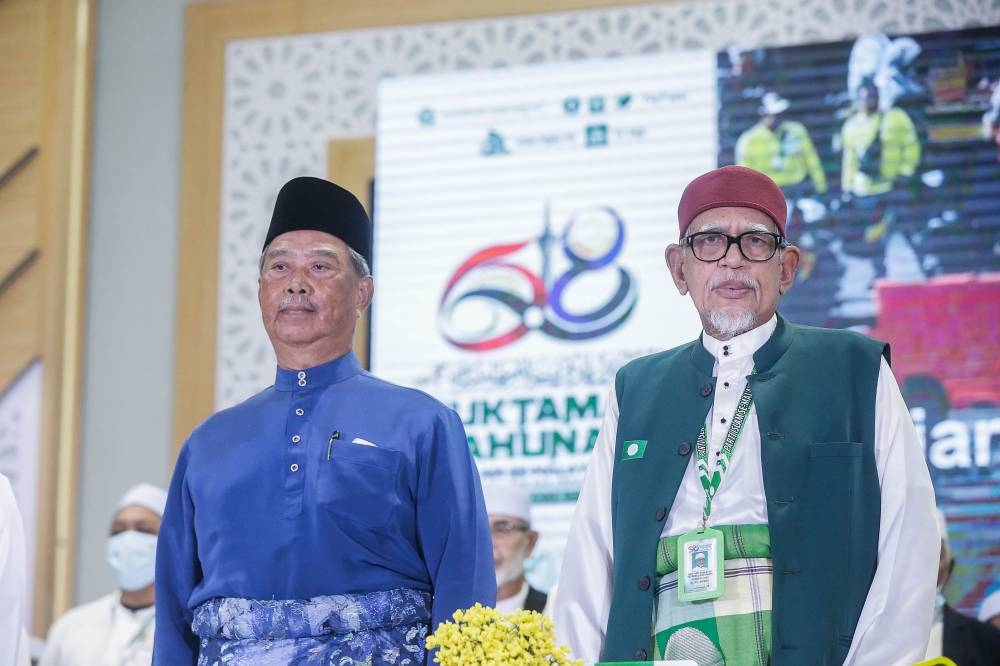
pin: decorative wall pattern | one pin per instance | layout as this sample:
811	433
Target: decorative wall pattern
286	97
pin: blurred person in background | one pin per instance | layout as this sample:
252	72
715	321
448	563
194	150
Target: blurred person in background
989	609
991	119
117	629
13	577
962	639
880	149
880	146
783	150
509	511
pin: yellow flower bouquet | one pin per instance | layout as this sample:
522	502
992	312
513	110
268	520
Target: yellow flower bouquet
482	636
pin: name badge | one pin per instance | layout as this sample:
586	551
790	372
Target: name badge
700	570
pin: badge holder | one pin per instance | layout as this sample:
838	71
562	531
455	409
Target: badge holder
700	568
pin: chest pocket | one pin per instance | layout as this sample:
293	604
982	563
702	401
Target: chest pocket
358	483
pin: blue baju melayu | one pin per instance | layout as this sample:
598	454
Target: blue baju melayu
329	514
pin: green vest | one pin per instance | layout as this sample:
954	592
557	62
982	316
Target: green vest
814	393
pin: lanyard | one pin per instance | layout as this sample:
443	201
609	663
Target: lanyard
711	481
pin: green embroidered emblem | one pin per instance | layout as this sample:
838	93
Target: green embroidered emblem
633	449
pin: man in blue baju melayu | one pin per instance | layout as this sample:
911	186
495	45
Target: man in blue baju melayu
332	518
759	495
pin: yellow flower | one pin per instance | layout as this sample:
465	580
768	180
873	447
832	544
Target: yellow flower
483	636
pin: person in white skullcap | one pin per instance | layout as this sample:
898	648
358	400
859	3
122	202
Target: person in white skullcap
509	511
13	586
962	639
782	149
117	628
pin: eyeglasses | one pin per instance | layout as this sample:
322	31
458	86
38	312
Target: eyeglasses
754	245
507	527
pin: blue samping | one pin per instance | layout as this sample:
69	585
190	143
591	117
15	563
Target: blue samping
342	629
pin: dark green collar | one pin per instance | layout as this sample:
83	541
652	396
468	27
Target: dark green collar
764	358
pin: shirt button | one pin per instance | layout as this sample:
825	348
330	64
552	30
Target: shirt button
302	382
722	420
644	583
661	513
684	449
300	411
705	390
295	439
726	384
302	374
294	467
640	655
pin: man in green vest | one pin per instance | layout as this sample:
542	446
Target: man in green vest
781	455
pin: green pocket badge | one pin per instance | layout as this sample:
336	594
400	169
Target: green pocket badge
633	449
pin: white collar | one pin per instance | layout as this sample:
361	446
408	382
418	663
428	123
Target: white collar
741	346
516	602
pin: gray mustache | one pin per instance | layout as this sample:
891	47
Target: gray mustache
733	276
296	301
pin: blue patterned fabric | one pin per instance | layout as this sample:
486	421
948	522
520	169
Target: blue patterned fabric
337	630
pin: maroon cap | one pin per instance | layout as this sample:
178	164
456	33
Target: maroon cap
732	186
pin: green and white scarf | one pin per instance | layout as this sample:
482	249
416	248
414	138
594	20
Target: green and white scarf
733	630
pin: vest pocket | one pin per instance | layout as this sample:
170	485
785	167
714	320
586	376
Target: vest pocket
358	483
835	482
838	651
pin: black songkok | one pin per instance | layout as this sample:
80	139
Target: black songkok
314	204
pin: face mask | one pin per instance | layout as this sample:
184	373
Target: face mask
132	557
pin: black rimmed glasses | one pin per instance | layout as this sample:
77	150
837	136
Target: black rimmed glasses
754	245
507	527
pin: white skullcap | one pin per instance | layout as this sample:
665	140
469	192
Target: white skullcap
508	501
145	495
990	607
943	531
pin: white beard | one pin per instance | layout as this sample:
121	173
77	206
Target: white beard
510	572
731	324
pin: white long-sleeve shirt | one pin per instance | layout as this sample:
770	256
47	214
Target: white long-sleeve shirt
13	586
896	618
101	633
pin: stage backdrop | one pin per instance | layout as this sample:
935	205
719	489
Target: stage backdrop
521	217
899	220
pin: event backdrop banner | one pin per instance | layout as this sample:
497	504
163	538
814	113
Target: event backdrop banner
521	218
888	149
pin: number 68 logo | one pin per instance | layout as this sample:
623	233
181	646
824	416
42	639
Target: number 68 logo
577	292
